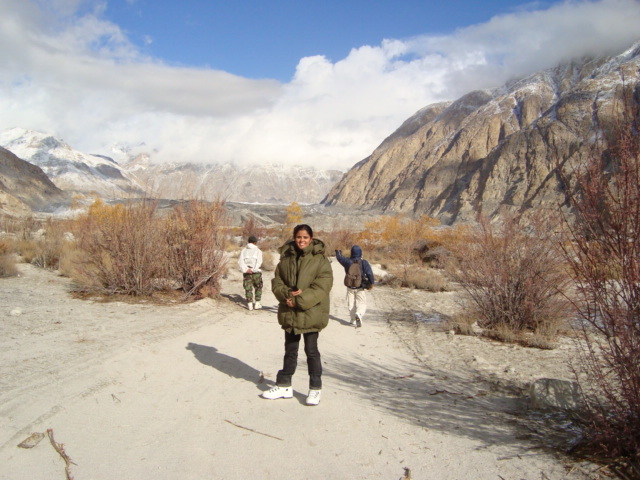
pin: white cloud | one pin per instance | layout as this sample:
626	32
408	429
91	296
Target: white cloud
81	79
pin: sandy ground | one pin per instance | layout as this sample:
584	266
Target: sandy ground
141	391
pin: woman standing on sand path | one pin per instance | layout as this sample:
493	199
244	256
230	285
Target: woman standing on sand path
302	282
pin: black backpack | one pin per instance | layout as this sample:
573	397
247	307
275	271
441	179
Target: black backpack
353	278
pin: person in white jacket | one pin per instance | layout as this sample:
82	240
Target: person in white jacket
250	262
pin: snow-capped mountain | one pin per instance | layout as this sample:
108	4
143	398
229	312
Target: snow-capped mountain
77	172
274	184
69	169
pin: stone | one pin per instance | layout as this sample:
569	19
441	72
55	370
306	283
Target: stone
555	394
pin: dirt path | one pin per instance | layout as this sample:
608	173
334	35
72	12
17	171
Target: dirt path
153	392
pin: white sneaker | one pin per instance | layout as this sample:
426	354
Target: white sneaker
358	320
314	397
278	392
352	322
250	305
257	306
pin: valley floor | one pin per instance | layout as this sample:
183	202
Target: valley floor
142	391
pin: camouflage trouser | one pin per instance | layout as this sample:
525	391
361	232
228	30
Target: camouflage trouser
251	281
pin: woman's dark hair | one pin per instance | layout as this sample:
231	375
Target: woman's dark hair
304	226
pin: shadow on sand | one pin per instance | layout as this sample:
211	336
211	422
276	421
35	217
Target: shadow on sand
241	302
473	405
226	364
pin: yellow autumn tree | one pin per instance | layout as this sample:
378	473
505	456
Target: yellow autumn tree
294	214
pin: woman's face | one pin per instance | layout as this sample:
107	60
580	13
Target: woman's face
303	239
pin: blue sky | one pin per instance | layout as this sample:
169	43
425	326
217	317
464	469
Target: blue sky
248	82
266	39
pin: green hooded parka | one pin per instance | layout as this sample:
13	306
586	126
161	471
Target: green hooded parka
311	272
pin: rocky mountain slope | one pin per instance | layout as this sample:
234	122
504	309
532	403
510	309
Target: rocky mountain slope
25	187
493	151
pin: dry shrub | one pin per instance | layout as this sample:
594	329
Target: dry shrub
503	332
6	223
74	264
252	227
123	247
128	249
27	227
27	249
400	243
6	246
541	340
196	240
514	279
462	323
8	266
390	280
50	245
424	279
271	241
420	278
268	261
605	262
449	237
339	239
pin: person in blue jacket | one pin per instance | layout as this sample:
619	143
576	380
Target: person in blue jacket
357	296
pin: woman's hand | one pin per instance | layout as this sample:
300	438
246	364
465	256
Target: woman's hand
294	293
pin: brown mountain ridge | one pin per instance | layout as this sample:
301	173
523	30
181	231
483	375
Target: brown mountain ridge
493	151
24	187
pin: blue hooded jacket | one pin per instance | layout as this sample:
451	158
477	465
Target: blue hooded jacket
365	268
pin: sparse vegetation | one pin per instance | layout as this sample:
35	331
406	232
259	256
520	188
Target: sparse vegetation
129	249
400	244
419	277
123	247
50	245
7	259
251	227
196	238
515	280
605	262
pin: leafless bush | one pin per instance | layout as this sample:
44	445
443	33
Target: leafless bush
196	238
123	247
49	245
418	277
252	227
462	323
7	259
515	279
605	262
339	239
74	264
8	266
27	249
6	246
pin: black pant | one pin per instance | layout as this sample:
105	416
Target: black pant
314	364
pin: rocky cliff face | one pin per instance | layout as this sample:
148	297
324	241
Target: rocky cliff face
492	151
24	187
